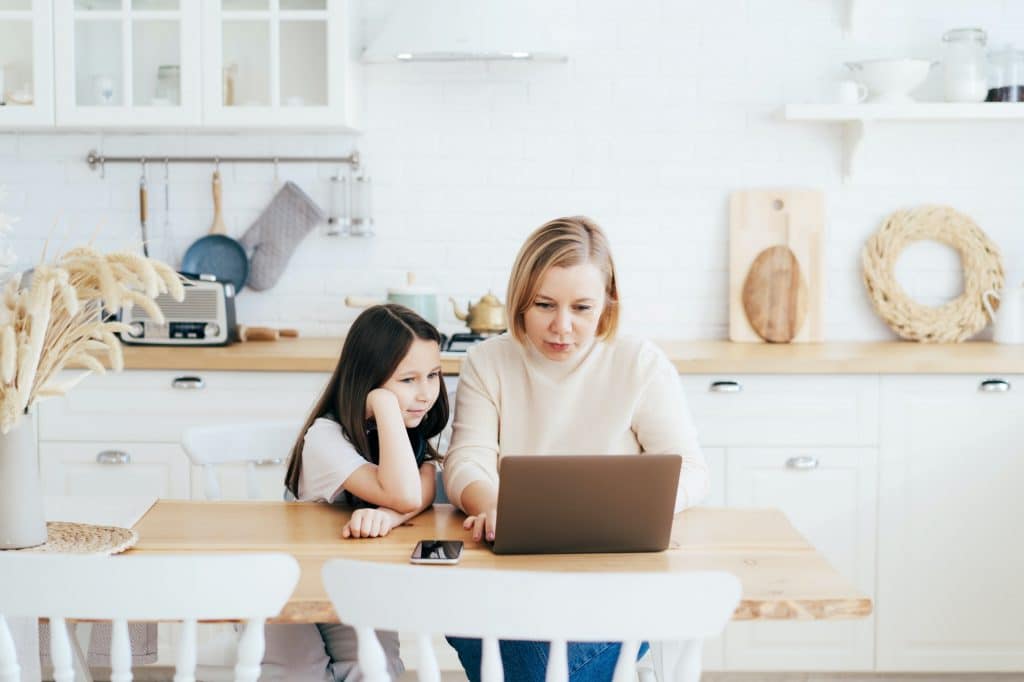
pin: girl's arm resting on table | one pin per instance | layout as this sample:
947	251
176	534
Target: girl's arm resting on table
397	479
365	483
371	523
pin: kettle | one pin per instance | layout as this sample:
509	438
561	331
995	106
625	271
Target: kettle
1008	325
487	316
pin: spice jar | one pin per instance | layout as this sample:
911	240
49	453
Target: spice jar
965	65
1007	76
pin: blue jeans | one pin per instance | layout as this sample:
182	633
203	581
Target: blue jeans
526	661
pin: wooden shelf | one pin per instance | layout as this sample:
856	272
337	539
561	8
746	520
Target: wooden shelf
859	118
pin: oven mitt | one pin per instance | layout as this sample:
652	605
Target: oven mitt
271	240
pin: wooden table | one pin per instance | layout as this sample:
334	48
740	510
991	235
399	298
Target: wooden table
783	576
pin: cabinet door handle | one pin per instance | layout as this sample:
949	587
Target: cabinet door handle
725	387
803	463
113	457
994	386
268	462
188	383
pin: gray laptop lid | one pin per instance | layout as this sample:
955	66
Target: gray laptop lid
561	504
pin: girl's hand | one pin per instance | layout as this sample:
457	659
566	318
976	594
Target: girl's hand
483	525
369	523
380	399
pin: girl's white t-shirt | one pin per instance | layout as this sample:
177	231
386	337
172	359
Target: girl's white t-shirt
328	459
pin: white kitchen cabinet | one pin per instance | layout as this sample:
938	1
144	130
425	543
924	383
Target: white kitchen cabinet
127	63
268	63
950	561
760	410
26	63
102	468
829	495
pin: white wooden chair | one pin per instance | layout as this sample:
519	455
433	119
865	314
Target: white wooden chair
249	587
547	606
254	444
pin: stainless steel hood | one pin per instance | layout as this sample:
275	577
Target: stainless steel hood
462	30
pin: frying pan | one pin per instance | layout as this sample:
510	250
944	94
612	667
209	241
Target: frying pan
217	254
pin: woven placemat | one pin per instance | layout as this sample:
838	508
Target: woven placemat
63	537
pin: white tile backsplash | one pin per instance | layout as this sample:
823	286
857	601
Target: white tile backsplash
664	108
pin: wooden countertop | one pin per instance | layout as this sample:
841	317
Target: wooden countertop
783	576
689	357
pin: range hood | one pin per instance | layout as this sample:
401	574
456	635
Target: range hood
462	30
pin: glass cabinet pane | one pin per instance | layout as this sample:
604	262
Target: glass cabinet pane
236	5
15	5
151	5
156	63
16	69
303	4
304	63
246	76
98	77
97	5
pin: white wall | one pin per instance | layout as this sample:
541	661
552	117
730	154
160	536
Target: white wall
663	109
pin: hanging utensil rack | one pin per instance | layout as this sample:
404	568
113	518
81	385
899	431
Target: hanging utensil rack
96	159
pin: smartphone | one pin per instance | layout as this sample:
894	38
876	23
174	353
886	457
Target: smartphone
437	552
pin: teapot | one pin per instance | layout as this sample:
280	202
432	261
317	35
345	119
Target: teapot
487	316
1009	323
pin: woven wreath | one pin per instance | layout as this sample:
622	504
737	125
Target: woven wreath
957	320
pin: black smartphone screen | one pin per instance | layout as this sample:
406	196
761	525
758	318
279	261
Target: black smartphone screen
437	550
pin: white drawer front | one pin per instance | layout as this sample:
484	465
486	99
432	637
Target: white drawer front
114	468
770	410
155	406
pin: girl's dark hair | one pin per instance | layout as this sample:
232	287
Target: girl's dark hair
376	343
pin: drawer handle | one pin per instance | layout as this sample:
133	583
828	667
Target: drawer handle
994	386
188	383
113	457
268	462
802	463
725	387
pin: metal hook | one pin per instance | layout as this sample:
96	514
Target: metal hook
216	164
277	173
103	168
167	169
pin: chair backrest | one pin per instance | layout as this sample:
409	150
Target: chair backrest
526	605
253	443
188	588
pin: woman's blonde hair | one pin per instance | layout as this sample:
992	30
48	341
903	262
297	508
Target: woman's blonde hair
562	242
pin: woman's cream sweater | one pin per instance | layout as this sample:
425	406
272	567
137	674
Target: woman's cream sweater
617	397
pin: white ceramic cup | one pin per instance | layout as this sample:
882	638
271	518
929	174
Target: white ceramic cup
850	92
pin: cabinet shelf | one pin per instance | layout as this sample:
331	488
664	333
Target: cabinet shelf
858	119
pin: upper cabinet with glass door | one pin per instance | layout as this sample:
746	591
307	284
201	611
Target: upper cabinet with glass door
26	64
127	63
279	63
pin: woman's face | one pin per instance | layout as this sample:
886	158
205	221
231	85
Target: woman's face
562	318
417	381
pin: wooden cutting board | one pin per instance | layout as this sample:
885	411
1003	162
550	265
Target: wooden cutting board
783	306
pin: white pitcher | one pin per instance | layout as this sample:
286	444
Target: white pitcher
1008	324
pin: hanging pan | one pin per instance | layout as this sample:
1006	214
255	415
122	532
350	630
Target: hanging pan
217	254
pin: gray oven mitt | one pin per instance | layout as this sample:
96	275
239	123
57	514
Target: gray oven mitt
270	241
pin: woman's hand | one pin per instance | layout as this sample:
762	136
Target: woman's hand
484	524
370	523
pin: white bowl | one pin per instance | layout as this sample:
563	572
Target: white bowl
891	80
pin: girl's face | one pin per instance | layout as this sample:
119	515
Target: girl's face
417	381
563	316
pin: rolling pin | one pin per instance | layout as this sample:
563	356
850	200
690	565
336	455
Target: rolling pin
247	333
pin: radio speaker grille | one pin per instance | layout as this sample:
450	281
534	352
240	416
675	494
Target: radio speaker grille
199	305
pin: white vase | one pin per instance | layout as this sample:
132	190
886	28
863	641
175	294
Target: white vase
22	523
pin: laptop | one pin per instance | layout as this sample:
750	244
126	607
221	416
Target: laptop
567	504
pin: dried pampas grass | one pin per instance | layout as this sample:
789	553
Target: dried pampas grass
59	319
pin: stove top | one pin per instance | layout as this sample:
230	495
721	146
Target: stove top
460	343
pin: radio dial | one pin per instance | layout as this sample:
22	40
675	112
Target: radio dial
135	330
211	330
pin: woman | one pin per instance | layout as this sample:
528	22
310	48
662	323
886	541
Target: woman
562	382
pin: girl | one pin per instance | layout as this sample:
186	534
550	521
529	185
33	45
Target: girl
366	445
